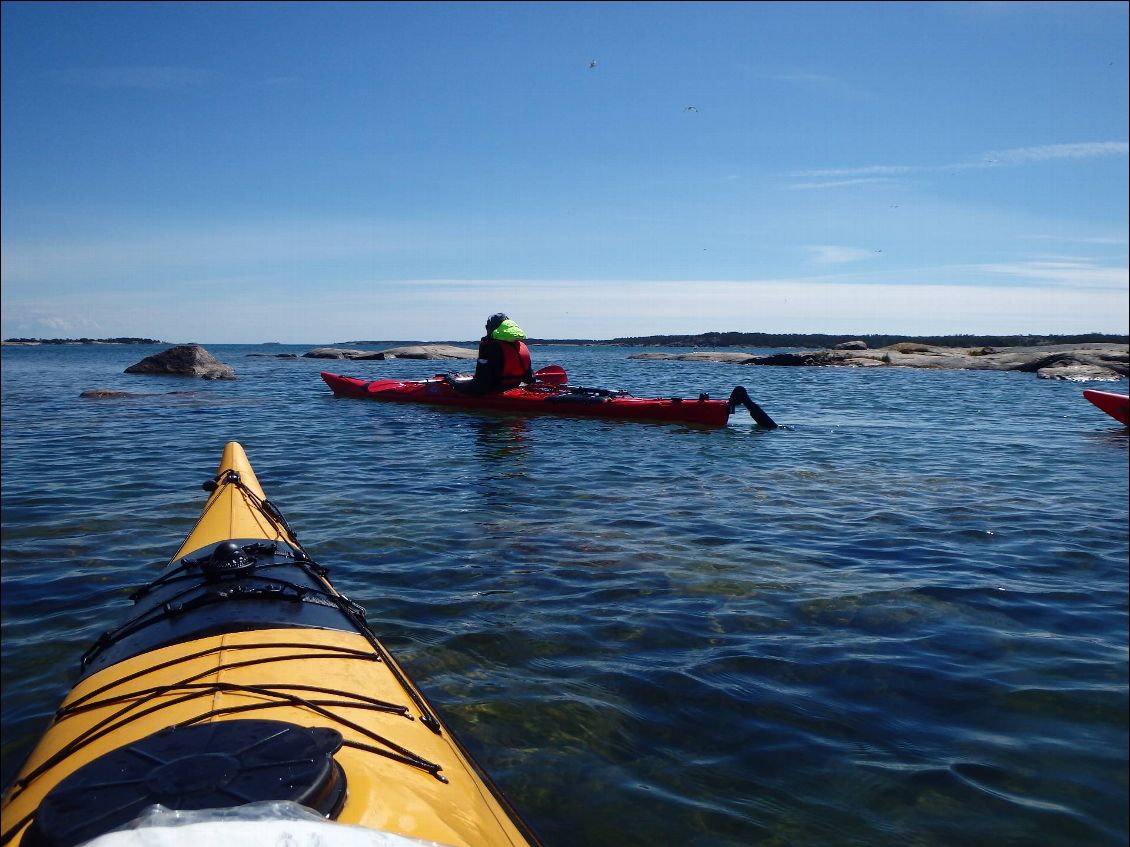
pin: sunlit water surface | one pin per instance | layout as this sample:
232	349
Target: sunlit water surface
901	619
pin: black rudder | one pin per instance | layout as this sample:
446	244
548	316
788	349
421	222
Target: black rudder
739	396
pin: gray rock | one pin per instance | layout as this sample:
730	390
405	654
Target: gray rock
431	351
851	345
697	356
804	358
341	353
184	360
1098	361
1077	373
719	356
416	351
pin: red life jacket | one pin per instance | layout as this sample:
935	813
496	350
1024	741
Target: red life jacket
515	363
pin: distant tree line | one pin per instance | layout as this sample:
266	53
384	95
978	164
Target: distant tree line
819	340
82	341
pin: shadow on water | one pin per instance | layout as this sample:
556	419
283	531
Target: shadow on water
503	440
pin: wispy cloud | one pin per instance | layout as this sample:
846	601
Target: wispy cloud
40	322
1047	152
840	183
279	83
1000	158
830	254
1101	240
869	170
140	77
605	308
813	82
1064	273
818	79
234	246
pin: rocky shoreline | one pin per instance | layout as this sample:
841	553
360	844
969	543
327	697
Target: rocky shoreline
37	342
414	351
1098	361
1081	362
1085	362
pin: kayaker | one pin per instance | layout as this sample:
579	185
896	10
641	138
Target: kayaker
504	359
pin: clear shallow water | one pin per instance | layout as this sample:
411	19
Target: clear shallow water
900	620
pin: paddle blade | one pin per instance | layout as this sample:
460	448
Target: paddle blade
552	375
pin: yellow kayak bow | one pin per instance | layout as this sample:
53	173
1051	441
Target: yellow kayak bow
241	677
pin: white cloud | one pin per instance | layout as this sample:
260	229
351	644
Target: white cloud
877	170
1046	152
1064	273
830	254
453	309
1013	157
840	183
1102	240
39	322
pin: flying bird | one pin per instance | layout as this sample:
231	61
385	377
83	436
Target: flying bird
691	109
592	64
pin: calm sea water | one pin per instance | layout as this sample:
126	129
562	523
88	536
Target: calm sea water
902	619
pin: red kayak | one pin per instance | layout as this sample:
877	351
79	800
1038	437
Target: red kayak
550	395
1115	405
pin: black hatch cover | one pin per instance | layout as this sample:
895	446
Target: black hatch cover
207	766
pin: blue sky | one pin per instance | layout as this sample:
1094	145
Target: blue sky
307	173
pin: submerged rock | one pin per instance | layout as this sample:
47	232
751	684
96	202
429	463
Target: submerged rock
184	360
106	394
114	394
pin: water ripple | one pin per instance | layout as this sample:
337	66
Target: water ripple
902	619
